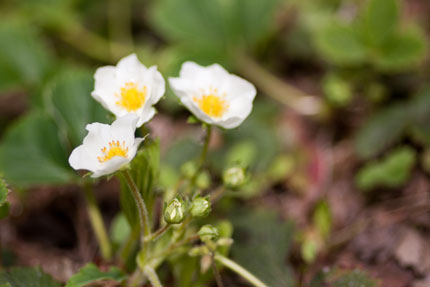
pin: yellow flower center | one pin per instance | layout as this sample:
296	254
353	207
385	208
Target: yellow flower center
115	149
212	104
132	98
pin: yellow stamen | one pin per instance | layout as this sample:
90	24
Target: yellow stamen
212	104
132	98
115	149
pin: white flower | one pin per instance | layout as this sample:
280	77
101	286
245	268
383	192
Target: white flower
129	87
213	95
107	148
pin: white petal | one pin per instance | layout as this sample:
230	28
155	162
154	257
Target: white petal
80	158
158	85
111	166
130	65
123	128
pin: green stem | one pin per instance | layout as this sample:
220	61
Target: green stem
239	270
205	146
217	274
276	88
141	207
158	233
97	222
152	276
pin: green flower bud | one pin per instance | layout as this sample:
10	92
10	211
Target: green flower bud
234	177
200	207
189	169
175	211
208	233
203	180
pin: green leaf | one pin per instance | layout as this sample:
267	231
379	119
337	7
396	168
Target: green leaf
214	27
261	246
380	18
91	274
32	154
420	114
381	130
68	100
392	171
340	44
24	58
27	277
403	50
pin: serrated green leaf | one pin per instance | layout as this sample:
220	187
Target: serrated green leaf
90	274
341	44
381	18
402	50
392	171
31	153
24	58
68	100
381	130
27	277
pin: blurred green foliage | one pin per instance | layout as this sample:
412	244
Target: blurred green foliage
269	239
392	171
374	37
26	276
91	274
4	204
341	278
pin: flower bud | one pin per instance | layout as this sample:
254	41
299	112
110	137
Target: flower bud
203	180
189	169
208	233
234	177
175	211
200	207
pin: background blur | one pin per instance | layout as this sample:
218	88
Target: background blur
338	142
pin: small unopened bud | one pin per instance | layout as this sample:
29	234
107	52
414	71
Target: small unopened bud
208	233
224	242
234	177
200	207
175	211
203	180
189	169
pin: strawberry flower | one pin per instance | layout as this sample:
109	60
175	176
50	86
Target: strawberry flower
129	87
213	95
107	148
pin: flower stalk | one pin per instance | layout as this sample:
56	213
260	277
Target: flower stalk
141	207
97	223
233	266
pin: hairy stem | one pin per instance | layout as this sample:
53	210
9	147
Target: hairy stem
141	207
97	223
230	264
205	146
